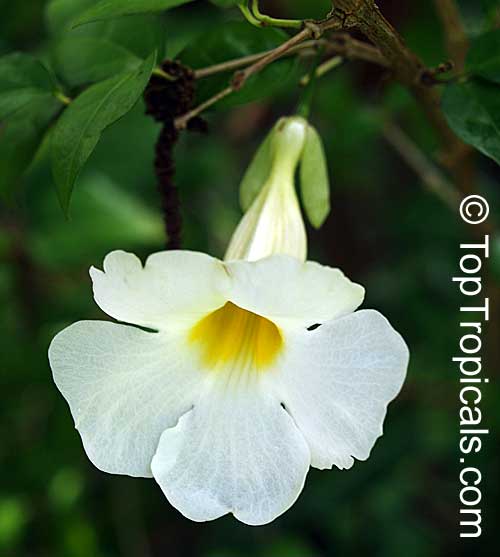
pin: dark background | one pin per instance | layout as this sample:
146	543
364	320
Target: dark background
385	231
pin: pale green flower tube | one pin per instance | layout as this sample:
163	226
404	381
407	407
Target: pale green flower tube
273	224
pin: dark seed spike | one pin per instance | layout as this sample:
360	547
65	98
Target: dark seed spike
165	100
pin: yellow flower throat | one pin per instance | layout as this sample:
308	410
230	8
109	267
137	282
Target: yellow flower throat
232	336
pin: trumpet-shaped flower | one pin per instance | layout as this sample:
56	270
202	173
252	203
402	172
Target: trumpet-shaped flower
227	380
225	394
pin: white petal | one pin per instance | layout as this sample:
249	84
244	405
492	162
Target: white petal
292	293
336	383
172	286
237	451
124	387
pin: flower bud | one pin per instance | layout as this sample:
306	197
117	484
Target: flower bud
273	223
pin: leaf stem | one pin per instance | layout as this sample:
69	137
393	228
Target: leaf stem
254	16
305	103
62	97
248	14
160	73
273	21
323	68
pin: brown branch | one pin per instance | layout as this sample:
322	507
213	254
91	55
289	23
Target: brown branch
431	176
341	44
460	157
241	76
410	71
346	46
182	121
237	63
366	16
388	49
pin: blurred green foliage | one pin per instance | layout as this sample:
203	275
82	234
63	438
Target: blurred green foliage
385	231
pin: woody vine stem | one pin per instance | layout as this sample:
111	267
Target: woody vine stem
386	48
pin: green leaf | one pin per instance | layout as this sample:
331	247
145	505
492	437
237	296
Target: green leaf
27	106
139	35
109	9
80	127
472	110
22	79
257	172
81	60
183	27
233	40
225	3
314	183
483	58
490	7
20	138
60	15
23	70
105	214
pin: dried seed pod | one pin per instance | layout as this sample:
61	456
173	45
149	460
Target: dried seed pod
165	100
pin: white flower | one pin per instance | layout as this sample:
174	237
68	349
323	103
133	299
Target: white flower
223	391
224	395
273	223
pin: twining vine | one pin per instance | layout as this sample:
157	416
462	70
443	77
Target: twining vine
170	100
